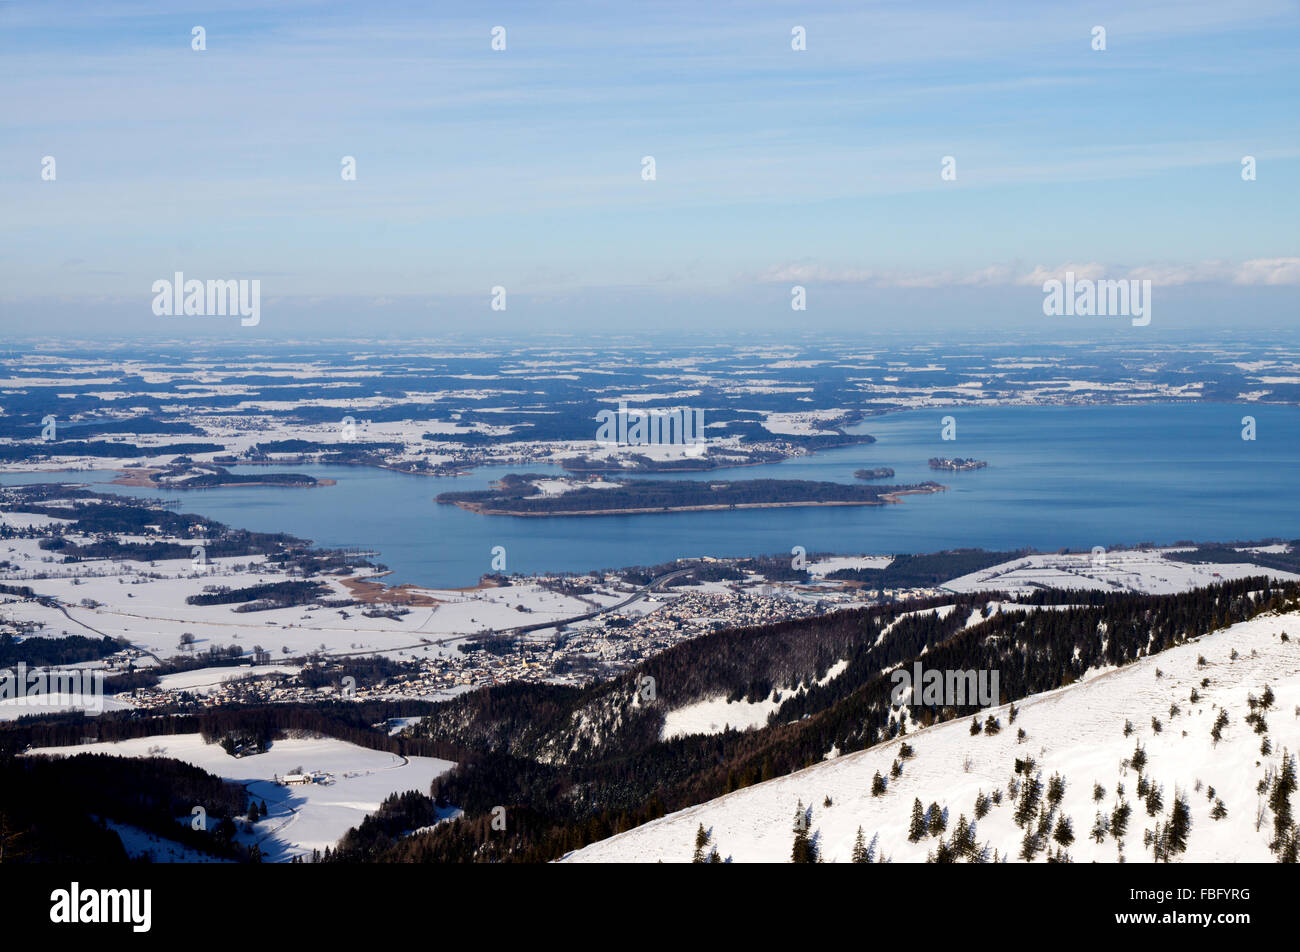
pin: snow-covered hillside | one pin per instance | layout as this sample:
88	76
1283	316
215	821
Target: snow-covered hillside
1130	570
1078	732
301	818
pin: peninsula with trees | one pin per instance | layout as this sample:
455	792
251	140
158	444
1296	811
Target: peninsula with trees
523	495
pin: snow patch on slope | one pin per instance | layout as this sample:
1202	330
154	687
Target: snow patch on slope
715	715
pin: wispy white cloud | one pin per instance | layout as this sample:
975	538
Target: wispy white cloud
1256	271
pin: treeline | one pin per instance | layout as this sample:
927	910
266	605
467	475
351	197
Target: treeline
921	571
1288	561
41	651
29	427
270	594
18	452
343	451
46	805
357	722
399	813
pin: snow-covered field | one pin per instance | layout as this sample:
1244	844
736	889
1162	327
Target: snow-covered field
302	818
146	604
1077	731
141	843
13	708
202	680
1131	570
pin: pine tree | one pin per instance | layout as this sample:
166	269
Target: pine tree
943	854
1029	846
1180	824
878	785
1279	800
1155	801
1100	828
804	851
1289	851
1219	811
963	837
860	848
936	822
701	841
1119	819
1158	840
1064	831
917	828
1220	722
1030	793
1139	758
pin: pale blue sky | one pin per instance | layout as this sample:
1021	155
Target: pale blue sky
522	168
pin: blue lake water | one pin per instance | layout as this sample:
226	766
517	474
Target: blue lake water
1057	476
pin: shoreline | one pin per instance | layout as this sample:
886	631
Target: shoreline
23	467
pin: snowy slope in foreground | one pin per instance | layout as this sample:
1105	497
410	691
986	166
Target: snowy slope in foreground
1077	731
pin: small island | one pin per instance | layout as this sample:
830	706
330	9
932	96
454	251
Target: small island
537	495
880	472
956	464
209	476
